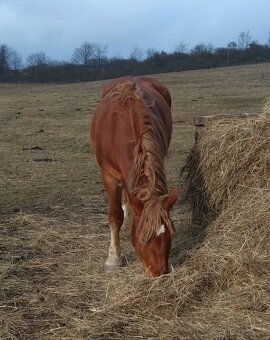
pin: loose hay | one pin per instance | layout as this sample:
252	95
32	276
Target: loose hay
53	286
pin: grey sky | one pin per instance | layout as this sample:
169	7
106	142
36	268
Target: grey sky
56	27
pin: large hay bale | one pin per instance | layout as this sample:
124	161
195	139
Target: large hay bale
231	156
234	156
232	174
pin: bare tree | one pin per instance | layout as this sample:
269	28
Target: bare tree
4	57
231	46
244	39
150	53
181	47
16	61
209	48
136	53
201	49
84	54
198	50
241	40
9	59
99	53
269	38
247	39
37	59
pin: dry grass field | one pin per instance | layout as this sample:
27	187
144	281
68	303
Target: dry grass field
54	234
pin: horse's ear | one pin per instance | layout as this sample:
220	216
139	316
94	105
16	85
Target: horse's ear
136	204
171	199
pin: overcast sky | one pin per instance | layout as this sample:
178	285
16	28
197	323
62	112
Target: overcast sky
56	27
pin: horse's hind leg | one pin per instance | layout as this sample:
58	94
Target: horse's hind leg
116	218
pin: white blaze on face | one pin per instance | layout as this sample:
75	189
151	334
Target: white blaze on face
161	230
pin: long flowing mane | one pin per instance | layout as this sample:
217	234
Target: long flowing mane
147	179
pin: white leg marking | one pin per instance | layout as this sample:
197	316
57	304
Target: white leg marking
114	258
128	216
125	209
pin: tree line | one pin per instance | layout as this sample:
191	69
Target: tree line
90	61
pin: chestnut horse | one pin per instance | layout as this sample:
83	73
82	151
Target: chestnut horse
130	133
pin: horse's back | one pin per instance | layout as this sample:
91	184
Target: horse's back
147	82
115	131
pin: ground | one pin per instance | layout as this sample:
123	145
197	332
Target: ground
54	235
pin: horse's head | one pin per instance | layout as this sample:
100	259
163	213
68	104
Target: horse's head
154	251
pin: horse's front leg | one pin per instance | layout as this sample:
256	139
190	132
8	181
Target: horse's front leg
116	218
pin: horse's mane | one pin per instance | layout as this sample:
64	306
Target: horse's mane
147	179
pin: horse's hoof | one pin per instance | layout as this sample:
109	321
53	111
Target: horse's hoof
109	268
112	263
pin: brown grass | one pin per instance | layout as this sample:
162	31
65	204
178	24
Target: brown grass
54	234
